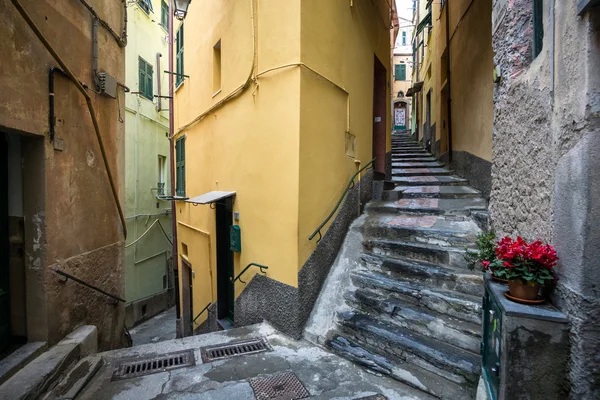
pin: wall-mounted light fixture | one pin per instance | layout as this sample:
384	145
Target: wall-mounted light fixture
181	7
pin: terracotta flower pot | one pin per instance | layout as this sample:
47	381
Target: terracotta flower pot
499	280
521	290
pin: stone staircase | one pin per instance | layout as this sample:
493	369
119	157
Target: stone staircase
411	309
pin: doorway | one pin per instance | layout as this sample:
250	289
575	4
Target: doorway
225	286
187	312
428	120
379	116
5	331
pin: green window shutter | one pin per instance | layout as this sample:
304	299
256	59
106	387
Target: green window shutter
538	27
397	72
164	15
142	76
146	85
149	82
180	166
402	75
179	56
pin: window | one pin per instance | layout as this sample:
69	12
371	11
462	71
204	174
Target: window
403	38
164	14
146	5
400	72
180	166
179	56
217	67
145	79
162	174
538	27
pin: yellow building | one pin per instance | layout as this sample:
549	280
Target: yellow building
452	95
284	101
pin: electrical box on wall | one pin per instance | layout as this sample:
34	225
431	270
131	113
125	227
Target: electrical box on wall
235	238
108	85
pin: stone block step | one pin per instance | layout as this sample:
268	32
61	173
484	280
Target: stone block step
458	333
432	275
398	159
429	180
76	379
452	363
397	147
402	371
433	230
439	253
412	156
424	205
440	192
400	153
454	304
417	164
420	171
20	358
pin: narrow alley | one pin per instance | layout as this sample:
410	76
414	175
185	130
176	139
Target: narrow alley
299	199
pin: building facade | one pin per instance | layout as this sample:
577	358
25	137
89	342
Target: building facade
276	116
148	270
402	61
62	170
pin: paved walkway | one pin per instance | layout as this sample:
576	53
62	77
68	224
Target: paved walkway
322	374
159	328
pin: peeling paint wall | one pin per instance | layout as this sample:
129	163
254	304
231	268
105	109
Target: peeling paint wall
70	218
546	149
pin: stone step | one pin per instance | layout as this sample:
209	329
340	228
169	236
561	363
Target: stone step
439	192
454	304
420	171
19	358
417	164
429	180
413	157
402	371
449	256
415	146
462	206
458	333
76	379
452	363
434	230
401	153
432	275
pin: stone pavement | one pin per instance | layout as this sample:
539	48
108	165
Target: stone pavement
323	375
159	328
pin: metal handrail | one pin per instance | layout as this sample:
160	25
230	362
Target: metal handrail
200	313
69	276
262	267
348	188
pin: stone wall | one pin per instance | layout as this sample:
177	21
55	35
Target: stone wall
545	160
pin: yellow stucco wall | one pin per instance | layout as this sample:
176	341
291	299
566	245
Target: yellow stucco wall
472	87
280	144
340	43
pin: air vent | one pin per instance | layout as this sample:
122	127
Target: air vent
279	386
219	352
146	366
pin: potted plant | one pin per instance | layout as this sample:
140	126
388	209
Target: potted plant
526	266
484	257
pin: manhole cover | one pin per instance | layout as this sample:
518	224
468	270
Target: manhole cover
283	386
221	351
132	368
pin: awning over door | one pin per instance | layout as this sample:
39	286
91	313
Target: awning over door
210	197
416	88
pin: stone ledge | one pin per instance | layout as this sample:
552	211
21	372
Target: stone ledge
20	358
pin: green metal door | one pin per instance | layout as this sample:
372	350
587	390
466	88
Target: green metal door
4	279
492	343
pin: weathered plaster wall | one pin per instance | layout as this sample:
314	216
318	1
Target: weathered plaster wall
76	218
545	156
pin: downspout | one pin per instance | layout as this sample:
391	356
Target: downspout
178	327
448	76
159	105
552	50
95	53
51	117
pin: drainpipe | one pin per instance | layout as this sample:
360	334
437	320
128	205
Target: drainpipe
449	82
178	328
95	53
51	117
159	105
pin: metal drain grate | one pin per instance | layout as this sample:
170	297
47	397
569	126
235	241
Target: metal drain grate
132	368
374	397
284	386
218	352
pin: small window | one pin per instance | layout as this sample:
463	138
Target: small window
217	67
180	166
164	14
538	27
145	79
162	174
400	72
403	38
179	56
146	5
401	94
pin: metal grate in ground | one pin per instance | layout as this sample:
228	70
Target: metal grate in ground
281	386
245	347
139	367
374	397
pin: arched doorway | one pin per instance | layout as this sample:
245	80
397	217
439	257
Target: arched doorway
400	115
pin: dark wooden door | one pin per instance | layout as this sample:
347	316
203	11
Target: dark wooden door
380	112
4	257
225	288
